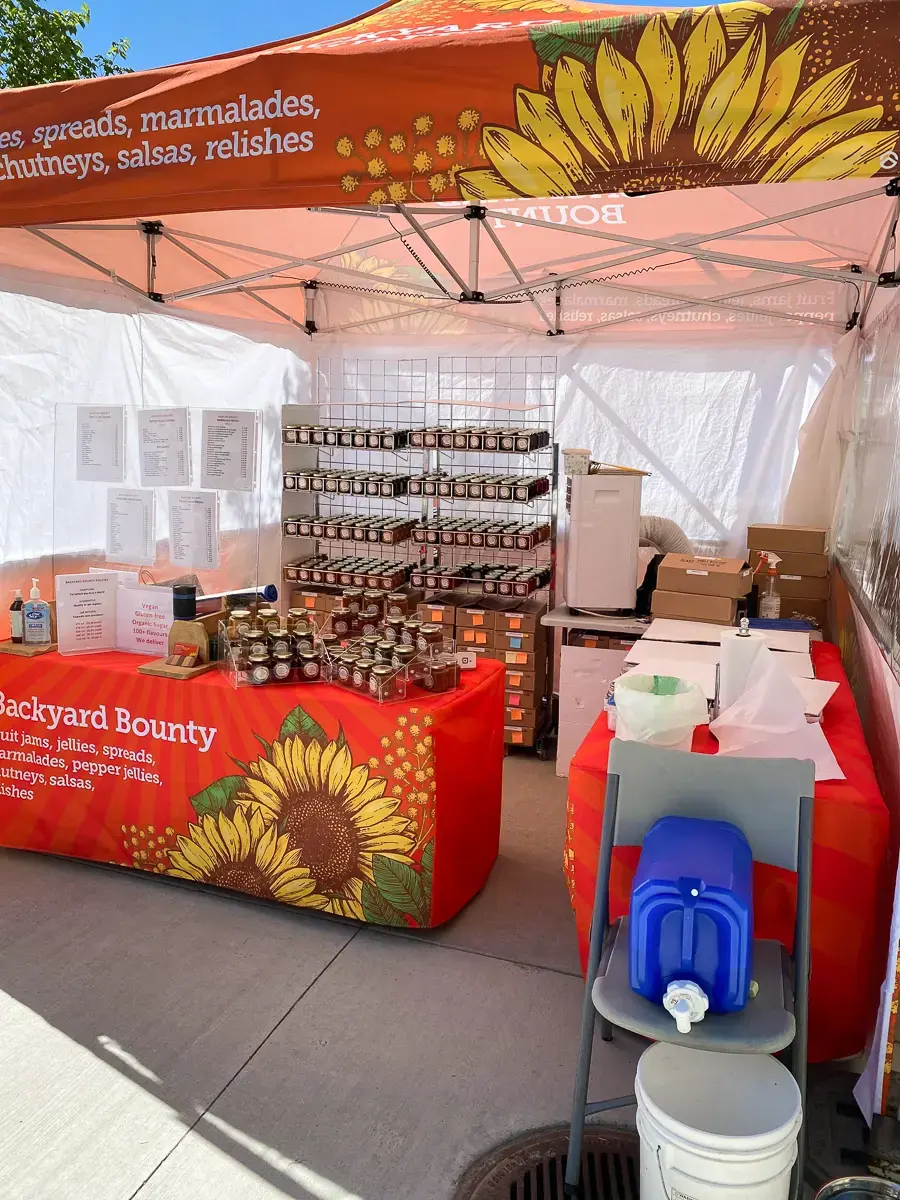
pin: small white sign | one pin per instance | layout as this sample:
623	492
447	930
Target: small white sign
164	439
99	445
86	612
467	660
143	619
130	526
228	451
194	530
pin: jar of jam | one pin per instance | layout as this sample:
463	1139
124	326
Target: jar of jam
383	683
384	651
439	675
304	637
370	643
240	624
341	621
362	670
430	638
259	665
295	617
393	628
283	669
268	620
397	604
329	643
353	599
403	656
252	639
280	641
309	666
343	672
410	631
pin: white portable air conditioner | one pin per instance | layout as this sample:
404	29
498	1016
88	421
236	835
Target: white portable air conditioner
602	546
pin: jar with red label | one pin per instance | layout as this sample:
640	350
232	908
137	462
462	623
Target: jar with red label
309	667
430	638
383	684
441	674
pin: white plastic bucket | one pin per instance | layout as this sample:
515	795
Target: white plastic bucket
715	1125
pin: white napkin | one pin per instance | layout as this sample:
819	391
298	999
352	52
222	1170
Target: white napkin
769	721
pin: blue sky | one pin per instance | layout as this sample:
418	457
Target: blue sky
167	31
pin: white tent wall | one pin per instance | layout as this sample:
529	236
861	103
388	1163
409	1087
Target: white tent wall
97	347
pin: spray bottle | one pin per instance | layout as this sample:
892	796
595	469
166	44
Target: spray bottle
770	600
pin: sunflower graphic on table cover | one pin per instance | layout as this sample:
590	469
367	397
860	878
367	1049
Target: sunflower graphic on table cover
305	825
688	97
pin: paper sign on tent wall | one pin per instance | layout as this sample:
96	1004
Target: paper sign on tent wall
194	530
130	526
228	451
99	445
164	439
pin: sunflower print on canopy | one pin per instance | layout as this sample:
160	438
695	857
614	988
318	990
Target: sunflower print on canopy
693	97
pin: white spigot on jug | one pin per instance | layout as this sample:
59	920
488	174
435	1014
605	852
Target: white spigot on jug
687	1002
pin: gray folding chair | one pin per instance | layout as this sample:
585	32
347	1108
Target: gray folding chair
771	801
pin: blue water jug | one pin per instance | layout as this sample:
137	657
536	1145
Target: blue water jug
692	912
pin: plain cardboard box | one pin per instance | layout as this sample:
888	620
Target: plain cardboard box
811	587
312	601
585	677
812	566
524	619
523	718
520	699
806	607
688	573
794	539
721	610
621	643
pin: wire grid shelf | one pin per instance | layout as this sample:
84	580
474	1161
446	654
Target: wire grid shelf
409	394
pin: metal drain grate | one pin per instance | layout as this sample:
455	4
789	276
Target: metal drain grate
533	1167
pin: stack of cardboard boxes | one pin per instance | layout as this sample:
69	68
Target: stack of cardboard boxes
804	573
700	589
512	635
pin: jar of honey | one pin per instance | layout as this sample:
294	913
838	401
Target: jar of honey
310	666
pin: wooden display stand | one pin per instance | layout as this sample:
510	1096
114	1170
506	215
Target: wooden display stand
193	633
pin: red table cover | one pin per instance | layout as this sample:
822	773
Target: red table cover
311	795
850	886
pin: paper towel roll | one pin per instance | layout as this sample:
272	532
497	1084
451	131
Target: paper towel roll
736	662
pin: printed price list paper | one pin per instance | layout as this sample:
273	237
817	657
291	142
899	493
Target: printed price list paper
228	451
86	612
130	532
164	437
194	530
99	445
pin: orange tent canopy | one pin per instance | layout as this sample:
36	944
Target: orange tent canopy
384	129
425	100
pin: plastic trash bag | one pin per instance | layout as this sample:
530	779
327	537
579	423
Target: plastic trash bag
659	710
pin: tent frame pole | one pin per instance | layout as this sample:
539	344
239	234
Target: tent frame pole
889	235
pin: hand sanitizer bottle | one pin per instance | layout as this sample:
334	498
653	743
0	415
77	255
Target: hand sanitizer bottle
36	616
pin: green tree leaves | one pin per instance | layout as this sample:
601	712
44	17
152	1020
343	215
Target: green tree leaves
218	795
41	45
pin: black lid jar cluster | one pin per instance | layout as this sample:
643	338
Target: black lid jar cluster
346	483
349	527
347	436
